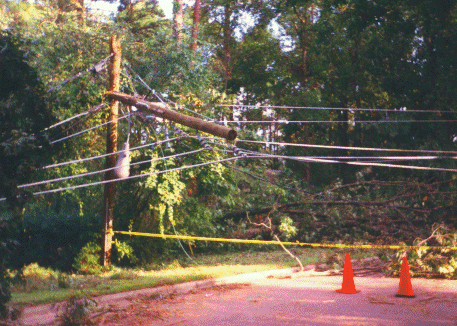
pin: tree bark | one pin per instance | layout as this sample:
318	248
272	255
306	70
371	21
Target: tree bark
162	111
195	26
227	31
178	20
111	147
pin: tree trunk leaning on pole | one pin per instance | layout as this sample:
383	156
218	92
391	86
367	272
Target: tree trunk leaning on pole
161	110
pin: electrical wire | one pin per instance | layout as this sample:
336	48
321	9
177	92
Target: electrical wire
93	110
86	130
153	91
105	155
350	147
339	121
182	247
105	170
393	158
66	120
329	108
134	176
333	160
311	160
99	66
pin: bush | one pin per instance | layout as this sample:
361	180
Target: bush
6	245
88	259
423	262
123	254
54	239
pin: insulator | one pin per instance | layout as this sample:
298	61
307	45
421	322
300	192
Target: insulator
122	168
204	143
238	152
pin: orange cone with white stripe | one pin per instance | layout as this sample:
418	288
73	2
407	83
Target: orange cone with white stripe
348	277
405	289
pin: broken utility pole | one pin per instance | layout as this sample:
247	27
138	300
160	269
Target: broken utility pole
162	111
111	147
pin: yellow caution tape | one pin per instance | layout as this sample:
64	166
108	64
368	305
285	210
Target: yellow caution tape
303	244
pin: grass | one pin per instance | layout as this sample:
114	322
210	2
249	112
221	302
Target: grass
43	285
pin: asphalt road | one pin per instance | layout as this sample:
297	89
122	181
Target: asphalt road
275	298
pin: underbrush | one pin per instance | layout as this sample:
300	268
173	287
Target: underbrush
44	285
429	263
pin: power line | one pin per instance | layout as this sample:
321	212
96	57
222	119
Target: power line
259	156
93	110
99	66
312	160
105	170
134	176
333	160
339	121
350	147
153	91
393	158
109	154
86	130
329	108
67	120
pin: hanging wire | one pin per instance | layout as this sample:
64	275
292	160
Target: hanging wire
313	160
134	176
350	147
328	108
393	158
339	121
91	111
105	170
105	155
244	153
182	247
86	130
156	94
66	120
99	66
183	135
260	156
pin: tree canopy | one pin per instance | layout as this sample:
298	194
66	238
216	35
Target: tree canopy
351	103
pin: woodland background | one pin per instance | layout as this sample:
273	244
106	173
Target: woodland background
215	58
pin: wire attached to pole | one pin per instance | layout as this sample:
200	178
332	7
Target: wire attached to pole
122	168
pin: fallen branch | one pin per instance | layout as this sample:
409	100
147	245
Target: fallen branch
277	239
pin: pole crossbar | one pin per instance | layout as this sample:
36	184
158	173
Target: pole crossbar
161	110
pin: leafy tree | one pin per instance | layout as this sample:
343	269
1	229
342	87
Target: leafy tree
24	116
142	18
23	146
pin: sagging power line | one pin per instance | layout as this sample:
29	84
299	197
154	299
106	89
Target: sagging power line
255	107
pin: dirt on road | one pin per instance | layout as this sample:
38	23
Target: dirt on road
274	298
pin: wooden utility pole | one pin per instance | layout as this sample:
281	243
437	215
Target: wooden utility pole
162	111
111	147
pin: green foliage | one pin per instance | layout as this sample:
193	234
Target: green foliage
286	227
142	19
430	263
381	55
6	247
123	253
88	259
23	116
45	235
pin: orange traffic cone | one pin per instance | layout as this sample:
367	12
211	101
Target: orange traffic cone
348	277
405	289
